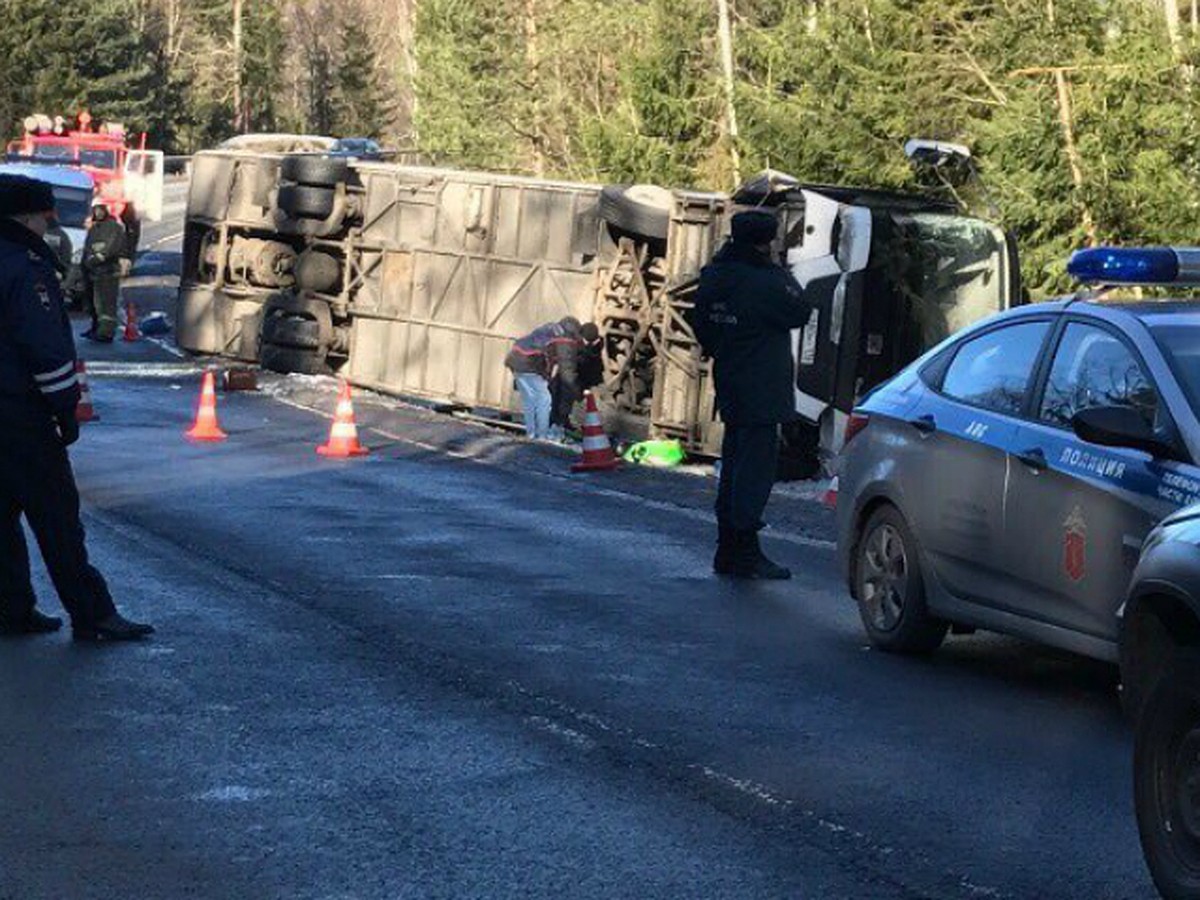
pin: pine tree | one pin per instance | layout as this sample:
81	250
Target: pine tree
363	106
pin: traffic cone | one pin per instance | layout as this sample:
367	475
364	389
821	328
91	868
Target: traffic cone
84	412
131	325
598	453
830	497
343	436
206	427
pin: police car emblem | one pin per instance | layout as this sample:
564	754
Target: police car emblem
1075	545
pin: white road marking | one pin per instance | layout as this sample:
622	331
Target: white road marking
233	793
116	369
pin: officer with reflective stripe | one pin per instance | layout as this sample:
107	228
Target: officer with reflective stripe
38	395
746	307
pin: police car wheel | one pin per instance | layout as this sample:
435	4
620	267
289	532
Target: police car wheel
890	589
304	202
1166	778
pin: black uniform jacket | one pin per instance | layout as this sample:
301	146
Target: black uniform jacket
746	308
37	347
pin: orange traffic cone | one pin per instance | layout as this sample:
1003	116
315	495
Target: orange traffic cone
84	412
206	427
131	325
598	453
343	436
830	497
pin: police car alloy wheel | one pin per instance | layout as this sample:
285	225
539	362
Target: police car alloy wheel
1166	779
890	589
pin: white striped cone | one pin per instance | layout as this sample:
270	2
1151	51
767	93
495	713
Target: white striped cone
597	451
84	412
343	436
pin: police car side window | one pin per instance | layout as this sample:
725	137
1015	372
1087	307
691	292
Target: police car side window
993	370
1093	367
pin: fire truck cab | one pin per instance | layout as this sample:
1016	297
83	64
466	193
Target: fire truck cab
122	175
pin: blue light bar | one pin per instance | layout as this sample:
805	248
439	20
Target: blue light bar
1136	265
1122	265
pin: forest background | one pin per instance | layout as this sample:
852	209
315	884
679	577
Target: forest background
1081	114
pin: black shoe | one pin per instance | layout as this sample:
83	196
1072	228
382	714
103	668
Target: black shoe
96	339
115	628
724	560
32	622
750	562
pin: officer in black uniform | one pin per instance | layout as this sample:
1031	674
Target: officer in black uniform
38	395
746	307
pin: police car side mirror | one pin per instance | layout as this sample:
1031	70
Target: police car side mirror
1119	426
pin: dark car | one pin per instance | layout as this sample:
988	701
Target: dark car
1162	636
356	148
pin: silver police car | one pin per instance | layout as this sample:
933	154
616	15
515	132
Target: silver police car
1007	479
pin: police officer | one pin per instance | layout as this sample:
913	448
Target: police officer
746	307
38	396
102	267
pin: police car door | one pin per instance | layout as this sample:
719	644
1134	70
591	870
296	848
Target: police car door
955	459
1077	512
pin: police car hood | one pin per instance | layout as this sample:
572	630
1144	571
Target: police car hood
1186	514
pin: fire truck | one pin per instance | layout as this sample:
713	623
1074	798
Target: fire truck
121	174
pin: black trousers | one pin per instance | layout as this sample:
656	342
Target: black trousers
749	456
36	481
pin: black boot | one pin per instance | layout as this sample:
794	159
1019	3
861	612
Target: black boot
725	558
32	622
114	628
751	562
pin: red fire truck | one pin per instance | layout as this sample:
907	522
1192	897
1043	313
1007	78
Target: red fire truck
121	173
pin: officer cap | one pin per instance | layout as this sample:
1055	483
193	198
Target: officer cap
22	196
755	226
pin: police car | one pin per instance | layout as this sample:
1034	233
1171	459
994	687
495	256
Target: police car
1008	479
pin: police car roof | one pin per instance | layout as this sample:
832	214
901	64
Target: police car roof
59	176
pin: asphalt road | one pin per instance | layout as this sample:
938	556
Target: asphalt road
454	670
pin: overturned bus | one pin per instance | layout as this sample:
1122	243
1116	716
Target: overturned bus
414	281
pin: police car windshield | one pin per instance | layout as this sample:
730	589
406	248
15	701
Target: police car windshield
1179	338
72	206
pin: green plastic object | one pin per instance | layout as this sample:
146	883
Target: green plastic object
655	453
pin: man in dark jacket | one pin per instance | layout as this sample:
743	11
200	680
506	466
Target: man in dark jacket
746	308
132	224
38	395
102	269
549	351
589	368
